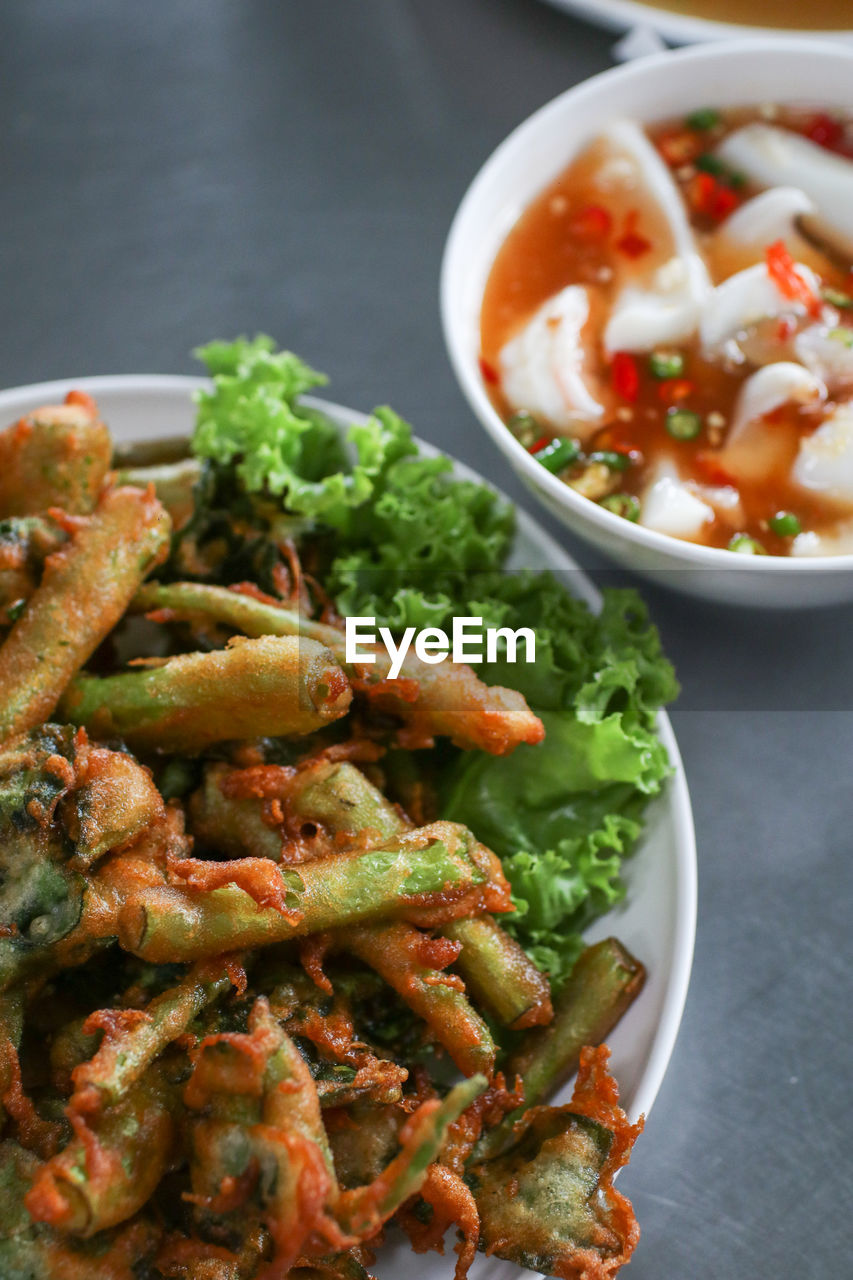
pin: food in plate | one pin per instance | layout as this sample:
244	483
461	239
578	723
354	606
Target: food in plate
289	949
669	328
823	15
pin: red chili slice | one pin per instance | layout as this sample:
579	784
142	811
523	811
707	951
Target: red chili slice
783	272
489	372
825	131
625	376
711	471
675	389
593	222
631	243
539	445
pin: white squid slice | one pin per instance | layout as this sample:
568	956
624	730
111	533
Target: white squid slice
741	301
669	506
755	447
825	459
837	543
828	352
763	220
768	389
542	367
777	157
665	309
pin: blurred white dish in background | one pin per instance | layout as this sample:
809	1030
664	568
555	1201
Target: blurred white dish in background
685	28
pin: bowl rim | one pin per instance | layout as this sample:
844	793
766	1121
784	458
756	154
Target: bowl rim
468	375
625	15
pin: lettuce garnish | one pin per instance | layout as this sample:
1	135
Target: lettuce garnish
407	543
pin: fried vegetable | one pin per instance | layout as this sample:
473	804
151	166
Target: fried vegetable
114	1161
56	456
450	699
604	982
254	688
493	965
499	974
85	589
52	784
231	825
412	964
133	1038
33	1251
173	484
548	1203
433	868
25	544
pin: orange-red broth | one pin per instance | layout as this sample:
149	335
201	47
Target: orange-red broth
569	235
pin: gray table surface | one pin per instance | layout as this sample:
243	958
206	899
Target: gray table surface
180	169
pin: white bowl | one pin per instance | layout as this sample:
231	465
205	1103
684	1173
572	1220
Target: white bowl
736	73
680	28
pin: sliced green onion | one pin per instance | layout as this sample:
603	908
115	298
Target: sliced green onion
622	504
743	545
710	163
683	424
524	427
704	118
15	609
666	364
837	298
844	336
611	459
785	524
558	454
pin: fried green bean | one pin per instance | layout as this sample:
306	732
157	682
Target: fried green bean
432	867
273	686
451	701
173	484
499	973
131	1044
230	825
33	1251
56	456
605	980
84	591
362	1210
403	956
113	1163
11	1029
494	967
25	544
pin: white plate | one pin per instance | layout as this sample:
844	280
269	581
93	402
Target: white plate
657	921
678	28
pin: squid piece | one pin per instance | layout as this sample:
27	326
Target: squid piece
665	306
837	543
753	445
742	240
545	368
828	352
743	301
824	463
775	157
669	506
